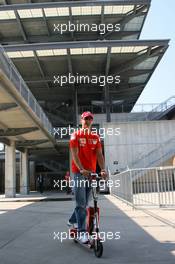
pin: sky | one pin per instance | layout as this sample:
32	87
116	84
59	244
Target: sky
160	24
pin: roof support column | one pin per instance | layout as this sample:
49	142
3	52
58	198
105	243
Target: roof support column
107	103
76	121
106	88
32	176
10	170
24	173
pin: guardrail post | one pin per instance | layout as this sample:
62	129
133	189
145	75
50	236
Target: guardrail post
158	187
132	200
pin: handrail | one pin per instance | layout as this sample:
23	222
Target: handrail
156	150
12	73
164	106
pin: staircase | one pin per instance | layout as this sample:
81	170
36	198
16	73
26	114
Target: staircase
54	166
157	156
162	109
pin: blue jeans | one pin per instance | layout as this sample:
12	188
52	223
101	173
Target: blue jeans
82	190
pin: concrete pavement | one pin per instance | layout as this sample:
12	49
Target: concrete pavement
35	196
27	234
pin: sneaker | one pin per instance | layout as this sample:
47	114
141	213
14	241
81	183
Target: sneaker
69	224
83	237
73	225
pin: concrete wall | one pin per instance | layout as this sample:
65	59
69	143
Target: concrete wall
2	176
119	117
139	142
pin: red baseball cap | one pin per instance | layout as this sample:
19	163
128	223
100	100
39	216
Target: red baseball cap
86	114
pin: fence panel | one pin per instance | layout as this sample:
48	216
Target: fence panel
146	187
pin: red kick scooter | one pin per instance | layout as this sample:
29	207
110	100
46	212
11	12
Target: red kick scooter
92	221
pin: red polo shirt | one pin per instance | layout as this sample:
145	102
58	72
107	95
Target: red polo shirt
87	144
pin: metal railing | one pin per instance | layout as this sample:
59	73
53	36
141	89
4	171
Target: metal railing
142	108
161	108
152	110
146	186
14	76
120	108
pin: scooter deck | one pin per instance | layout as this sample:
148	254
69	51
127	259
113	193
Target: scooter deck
87	245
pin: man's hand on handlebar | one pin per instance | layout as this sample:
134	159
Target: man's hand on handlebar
85	173
103	174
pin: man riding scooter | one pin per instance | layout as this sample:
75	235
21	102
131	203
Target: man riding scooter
86	150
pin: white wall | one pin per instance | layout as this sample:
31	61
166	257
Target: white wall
137	139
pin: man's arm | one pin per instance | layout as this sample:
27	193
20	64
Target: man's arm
74	152
76	159
101	162
100	158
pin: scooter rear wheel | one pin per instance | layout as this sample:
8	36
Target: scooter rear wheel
98	248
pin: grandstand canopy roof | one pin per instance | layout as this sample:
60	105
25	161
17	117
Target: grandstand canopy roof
133	61
24	22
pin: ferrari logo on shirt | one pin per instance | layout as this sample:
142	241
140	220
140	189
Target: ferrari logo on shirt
92	141
82	141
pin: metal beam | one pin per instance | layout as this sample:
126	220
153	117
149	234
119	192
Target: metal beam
102	19
16	131
73	3
40	68
76	121
102	14
71	20
57	37
57	118
75	97
36	150
133	62
126	19
69	61
46	22
6	141
106	88
21	27
28	143
85	89
86	44
128	89
8	106
56	97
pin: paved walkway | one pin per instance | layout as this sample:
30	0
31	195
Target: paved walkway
27	234
36	196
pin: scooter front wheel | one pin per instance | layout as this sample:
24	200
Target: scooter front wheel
98	248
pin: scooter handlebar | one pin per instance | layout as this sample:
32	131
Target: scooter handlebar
95	175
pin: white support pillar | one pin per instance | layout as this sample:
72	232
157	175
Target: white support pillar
32	175
24	174
10	170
